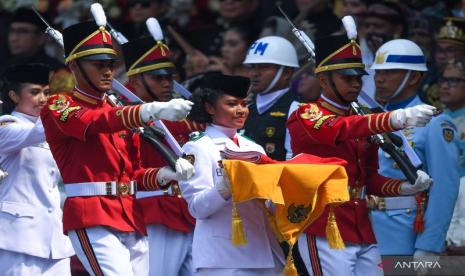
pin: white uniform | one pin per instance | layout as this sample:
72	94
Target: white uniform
31	232
212	250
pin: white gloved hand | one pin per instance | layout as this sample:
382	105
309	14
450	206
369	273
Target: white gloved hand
3	174
174	110
184	170
425	258
422	183
416	116
224	186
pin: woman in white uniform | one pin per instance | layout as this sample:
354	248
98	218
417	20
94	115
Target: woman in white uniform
223	106
31	233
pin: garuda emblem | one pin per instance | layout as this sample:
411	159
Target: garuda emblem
312	113
299	213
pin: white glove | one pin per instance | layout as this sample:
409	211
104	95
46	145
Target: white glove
416	116
184	170
422	183
174	110
3	174
224	186
425	258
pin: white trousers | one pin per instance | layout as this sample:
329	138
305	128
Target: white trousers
18	264
354	260
170	251
105	251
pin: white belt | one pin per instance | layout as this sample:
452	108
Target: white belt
144	194
111	188
393	203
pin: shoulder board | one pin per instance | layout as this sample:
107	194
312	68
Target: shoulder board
447	124
196	135
7	120
4	123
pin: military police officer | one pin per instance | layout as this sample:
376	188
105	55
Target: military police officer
272	60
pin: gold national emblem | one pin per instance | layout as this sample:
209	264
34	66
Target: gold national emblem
59	104
299	213
312	113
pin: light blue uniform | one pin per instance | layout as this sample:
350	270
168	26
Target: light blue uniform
436	145
458	118
455	235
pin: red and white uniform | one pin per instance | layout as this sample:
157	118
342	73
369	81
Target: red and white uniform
91	143
168	221
326	129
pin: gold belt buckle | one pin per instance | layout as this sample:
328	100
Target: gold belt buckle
381	204
123	189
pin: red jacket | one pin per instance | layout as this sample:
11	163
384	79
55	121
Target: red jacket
169	210
325	130
90	141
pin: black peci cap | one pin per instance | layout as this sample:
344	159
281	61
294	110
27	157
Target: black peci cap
35	73
236	86
24	15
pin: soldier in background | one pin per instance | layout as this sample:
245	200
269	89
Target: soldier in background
450	45
26	40
169	224
272	60
451	86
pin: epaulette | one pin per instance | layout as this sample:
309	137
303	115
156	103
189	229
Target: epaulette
447	124
4	123
196	135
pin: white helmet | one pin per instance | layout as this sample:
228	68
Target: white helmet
400	54
272	49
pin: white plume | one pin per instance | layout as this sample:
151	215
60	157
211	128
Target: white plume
154	29
99	15
350	26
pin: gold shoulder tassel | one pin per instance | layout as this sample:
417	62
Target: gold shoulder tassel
289	268
238	236
332	231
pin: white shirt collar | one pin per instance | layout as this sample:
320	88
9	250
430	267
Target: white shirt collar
343	107
91	96
266	101
229	132
21	115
